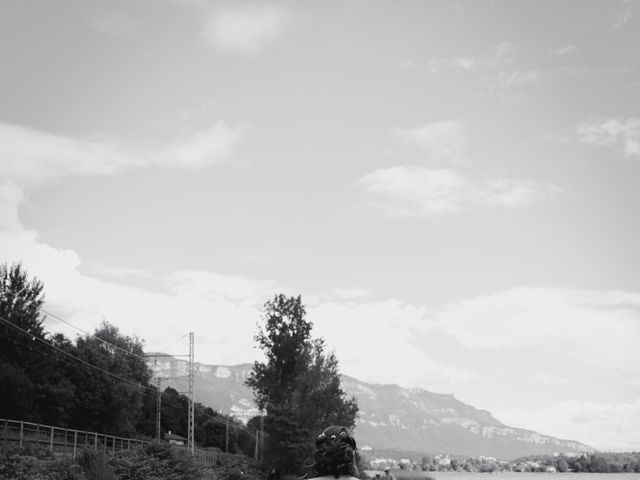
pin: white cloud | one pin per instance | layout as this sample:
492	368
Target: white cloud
550	379
215	286
415	191
562	51
513	79
31	158
223	310
606	426
367	338
202	148
442	140
461	63
613	133
11	196
246	29
623	17
601	327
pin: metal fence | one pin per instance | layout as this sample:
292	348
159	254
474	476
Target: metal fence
68	442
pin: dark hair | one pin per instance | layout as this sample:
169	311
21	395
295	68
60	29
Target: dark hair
335	453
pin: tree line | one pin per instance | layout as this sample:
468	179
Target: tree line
598	462
101	382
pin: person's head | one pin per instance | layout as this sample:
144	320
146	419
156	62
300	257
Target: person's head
386	470
335	452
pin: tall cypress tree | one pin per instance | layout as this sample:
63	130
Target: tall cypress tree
298	386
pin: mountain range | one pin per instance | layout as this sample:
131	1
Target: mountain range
392	421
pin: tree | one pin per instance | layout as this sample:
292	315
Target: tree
105	403
298	386
562	465
23	363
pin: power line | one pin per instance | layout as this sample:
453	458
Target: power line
106	372
172	344
105	342
90	365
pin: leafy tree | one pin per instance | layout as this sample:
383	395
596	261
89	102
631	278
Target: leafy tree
562	465
298	386
21	299
25	364
104	403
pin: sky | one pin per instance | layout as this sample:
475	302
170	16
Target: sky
452	187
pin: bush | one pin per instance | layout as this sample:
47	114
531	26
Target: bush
26	467
95	466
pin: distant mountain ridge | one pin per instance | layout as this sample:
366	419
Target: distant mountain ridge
406	421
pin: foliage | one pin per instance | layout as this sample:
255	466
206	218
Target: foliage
95	466
25	466
43	384
21	361
153	462
599	462
298	386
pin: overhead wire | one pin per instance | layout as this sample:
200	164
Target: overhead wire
69	355
106	372
105	342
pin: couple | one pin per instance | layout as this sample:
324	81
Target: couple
335	455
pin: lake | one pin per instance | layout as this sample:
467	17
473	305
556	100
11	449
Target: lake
526	476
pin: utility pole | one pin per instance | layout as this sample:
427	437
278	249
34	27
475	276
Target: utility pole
158	409
190	429
226	437
256	452
261	453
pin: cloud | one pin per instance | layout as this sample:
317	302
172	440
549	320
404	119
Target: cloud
550	379
246	29
367	338
456	63
623	17
11	196
562	51
210	285
31	158
513	79
615	133
601	325
418	191
443	140
607	426
222	309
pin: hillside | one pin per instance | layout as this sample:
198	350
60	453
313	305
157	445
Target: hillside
408	422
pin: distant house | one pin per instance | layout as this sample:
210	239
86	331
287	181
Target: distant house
174	439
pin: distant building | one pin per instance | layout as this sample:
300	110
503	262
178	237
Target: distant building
174	439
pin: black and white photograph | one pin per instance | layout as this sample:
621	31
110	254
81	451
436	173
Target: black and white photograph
333	239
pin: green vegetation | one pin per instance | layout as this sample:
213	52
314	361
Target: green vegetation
601	462
153	462
100	382
45	378
298	386
614	462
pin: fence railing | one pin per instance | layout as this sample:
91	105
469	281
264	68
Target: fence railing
69	442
